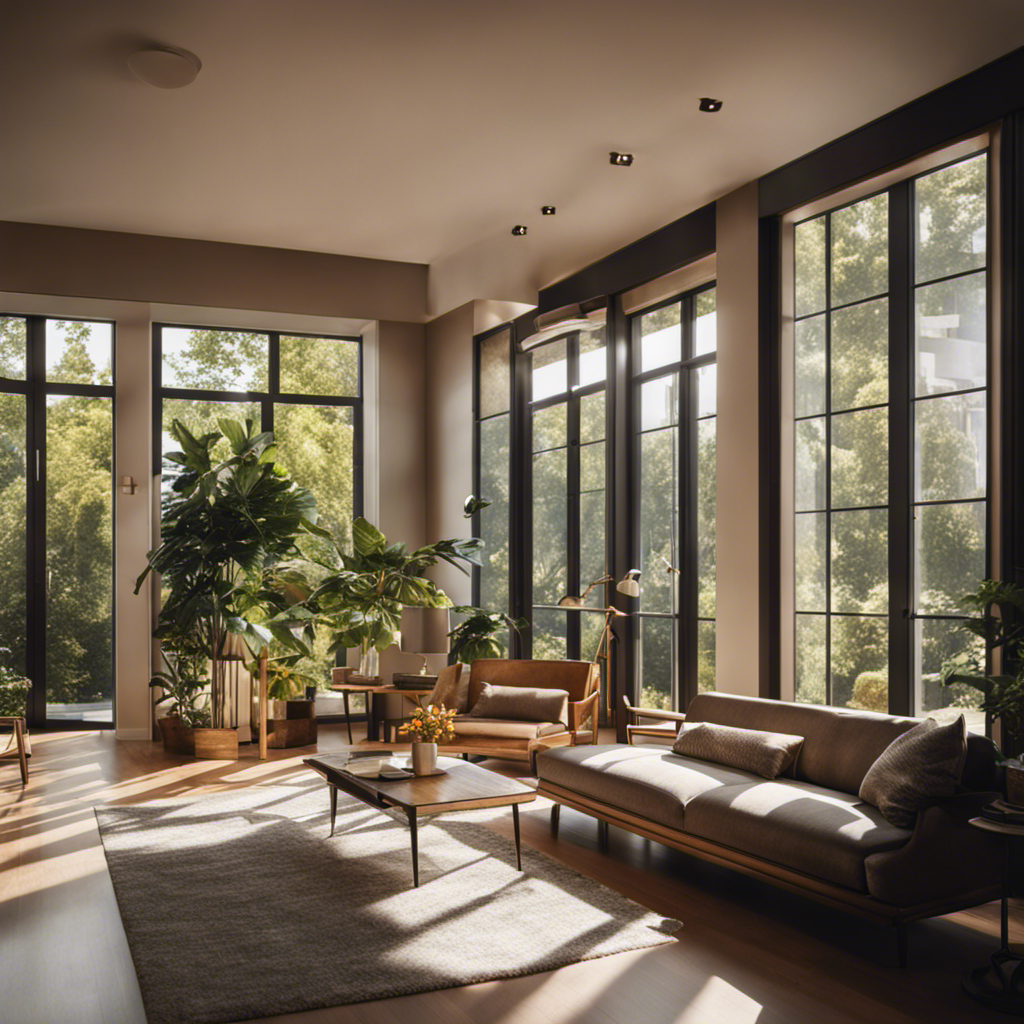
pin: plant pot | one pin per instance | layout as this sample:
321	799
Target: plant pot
424	758
177	738
291	723
218	744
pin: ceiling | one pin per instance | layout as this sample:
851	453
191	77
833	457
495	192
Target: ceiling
412	130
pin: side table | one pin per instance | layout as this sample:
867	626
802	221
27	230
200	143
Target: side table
1001	984
366	685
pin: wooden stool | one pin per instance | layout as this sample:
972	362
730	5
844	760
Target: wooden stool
18	725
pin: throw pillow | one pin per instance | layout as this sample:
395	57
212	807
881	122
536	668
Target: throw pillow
522	703
916	770
767	754
451	689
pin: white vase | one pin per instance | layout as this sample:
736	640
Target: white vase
424	758
369	663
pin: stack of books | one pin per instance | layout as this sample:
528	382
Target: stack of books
1004	813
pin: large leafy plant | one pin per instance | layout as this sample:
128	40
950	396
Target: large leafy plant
998	622
228	556
479	634
361	599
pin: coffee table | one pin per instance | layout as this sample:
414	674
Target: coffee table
464	786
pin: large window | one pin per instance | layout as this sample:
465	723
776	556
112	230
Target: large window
307	389
57	534
890	439
674	392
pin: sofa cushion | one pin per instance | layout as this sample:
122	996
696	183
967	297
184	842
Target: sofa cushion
451	689
522	704
767	754
916	770
466	725
821	832
649	781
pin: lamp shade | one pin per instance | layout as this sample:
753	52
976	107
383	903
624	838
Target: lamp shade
425	630
628	585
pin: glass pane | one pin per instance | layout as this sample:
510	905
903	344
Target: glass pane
548	634
950	451
705	328
810	534
550	374
860	250
809	245
495	374
951	335
550	553
319	366
195	357
656	656
860	662
860	355
593	558
810	464
494	520
707	390
949	550
951	219
809	355
860	458
591	627
79	558
317	449
13	344
811	652
79	352
593	364
592	466
659	520
935	641
592	410
13	520
707	494
659	402
550	427
705	656
661	337
860	561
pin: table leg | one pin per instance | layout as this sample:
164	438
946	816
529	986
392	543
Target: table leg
515	828
348	716
372	729
1004	913
334	804
19	734
411	814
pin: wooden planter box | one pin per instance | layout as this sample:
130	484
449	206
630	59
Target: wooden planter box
177	739
217	744
291	723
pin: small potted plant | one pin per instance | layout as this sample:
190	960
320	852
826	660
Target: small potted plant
186	690
478	636
428	726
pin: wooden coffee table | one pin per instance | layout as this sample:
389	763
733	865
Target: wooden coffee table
463	787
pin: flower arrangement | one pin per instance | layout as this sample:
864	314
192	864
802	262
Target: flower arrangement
430	724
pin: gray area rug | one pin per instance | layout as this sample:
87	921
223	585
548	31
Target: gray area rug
238	905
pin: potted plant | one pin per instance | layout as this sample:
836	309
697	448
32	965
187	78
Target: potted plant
478	636
185	688
999	625
229	562
291	715
14	691
361	599
428	726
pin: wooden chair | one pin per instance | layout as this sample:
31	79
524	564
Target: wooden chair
18	726
665	729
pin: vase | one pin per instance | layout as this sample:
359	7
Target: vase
369	663
424	758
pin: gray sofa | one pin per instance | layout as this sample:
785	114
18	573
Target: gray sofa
808	830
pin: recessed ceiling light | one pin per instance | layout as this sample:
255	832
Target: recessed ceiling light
548	211
710	106
519	229
165	67
620	159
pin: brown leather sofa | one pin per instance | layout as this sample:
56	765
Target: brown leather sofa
810	833
516	739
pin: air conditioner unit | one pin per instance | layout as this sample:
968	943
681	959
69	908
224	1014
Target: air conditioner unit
577	316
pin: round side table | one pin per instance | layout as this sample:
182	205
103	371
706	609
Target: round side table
1000	984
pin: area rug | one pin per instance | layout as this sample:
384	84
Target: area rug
238	905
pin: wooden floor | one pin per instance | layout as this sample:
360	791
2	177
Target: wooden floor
746	953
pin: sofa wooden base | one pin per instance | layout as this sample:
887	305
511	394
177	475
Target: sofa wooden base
857	903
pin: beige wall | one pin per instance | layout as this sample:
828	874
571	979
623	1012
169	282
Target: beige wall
738	602
145	268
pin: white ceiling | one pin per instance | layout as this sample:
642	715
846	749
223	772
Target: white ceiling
413	129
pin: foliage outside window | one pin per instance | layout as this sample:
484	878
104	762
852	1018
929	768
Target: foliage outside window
878	513
675	390
307	389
